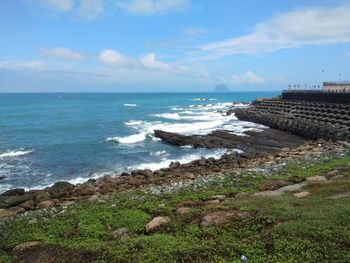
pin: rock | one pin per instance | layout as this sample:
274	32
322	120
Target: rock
26	245
40	195
2	177
292	188
61	189
161	205
242	195
186	203
17	210
93	198
136	181
85	189
182	211
220	218
332	173
316	179
45	204
339	195
174	165
121	233
188	175
156	223
202	162
159	173
301	194
27	205
212	202
148	173
338	177
6	213
268	193
13	200
218	197
273	185
13	192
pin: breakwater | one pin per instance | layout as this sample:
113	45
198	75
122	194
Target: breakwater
310	119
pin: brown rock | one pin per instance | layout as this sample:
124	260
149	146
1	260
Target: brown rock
188	175
45	204
339	195
136	181
61	189
13	192
27	205
301	194
9	201
6	213
316	179
212	202
85	189
182	211
122	233
220	218
187	203
157	222
273	185
40	195
217	197
174	165
26	245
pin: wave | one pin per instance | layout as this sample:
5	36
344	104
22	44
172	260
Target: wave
9	154
130	105
159	153
129	139
217	153
201	99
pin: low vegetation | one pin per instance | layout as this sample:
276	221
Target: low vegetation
282	228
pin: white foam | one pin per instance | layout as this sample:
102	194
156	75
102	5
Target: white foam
130	105
200	99
129	139
159	153
9	154
164	162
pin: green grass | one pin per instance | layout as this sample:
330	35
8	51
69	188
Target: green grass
280	229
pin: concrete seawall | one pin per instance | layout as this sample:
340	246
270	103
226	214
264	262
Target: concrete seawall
313	120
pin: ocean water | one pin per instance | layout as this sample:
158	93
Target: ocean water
73	137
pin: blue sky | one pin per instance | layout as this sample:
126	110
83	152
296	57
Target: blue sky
171	45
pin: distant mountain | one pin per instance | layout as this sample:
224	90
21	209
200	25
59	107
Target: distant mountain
221	88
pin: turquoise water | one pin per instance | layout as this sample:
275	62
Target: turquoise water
49	137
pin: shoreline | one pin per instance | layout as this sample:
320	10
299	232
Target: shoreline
257	148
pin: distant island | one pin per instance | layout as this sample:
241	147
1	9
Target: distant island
221	88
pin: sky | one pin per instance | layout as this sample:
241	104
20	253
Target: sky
171	45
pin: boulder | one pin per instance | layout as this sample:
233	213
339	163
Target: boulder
217	197
40	195
26	245
45	204
136	181
174	165
121	233
157	222
316	179
13	192
8	201
221	218
301	194
61	189
182	211
6	213
85	189
273	185
27	205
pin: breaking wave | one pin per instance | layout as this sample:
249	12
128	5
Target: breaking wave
9	154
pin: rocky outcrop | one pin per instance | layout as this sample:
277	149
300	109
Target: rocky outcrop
256	143
313	120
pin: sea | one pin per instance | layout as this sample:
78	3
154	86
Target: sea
50	137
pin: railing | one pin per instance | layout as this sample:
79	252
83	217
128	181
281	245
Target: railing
335	83
341	90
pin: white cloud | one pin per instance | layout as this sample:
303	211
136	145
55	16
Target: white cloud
90	9
60	5
19	65
314	26
152	7
248	78
113	58
62	53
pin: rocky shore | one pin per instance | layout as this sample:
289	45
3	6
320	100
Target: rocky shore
249	150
